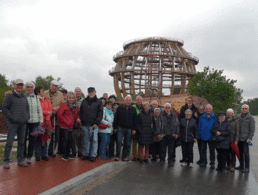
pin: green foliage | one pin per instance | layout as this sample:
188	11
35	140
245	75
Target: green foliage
3	81
45	81
219	91
2	94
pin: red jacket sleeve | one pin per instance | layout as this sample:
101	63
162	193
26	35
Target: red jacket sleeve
61	112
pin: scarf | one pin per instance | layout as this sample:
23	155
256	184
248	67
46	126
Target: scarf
30	94
74	105
109	111
244	115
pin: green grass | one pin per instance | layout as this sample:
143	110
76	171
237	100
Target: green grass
13	154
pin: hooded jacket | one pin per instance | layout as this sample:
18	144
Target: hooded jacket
206	125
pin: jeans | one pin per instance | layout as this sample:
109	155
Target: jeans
187	150
39	149
14	129
167	141
68	142
104	142
89	132
29	128
126	134
222	158
111	147
204	152
56	134
244	154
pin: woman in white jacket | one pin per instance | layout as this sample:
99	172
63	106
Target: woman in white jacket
104	134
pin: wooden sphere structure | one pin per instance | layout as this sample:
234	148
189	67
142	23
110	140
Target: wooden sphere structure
153	66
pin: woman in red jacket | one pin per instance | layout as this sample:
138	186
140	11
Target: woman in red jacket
41	142
67	115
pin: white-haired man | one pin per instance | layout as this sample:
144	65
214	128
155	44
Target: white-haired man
246	133
78	94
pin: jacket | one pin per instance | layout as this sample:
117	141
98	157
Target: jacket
205	126
145	123
138	109
163	126
224	129
65	116
184	108
246	127
234	127
125	118
188	130
91	111
16	108
110	120
36	115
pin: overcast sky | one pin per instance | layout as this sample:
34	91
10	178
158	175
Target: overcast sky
76	40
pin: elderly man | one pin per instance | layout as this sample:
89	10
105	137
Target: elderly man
206	123
167	128
124	125
105	95
154	105
190	106
246	133
78	94
56	98
91	113
16	109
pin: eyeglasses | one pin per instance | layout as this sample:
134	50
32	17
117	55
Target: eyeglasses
28	87
188	114
244	108
167	107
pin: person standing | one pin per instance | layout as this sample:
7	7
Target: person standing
64	92
91	114
167	128
124	125
136	149
145	129
246	133
177	142
206	122
156	145
56	98
190	106
221	140
16	109
154	105
78	94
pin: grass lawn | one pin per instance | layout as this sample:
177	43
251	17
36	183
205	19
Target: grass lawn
13	154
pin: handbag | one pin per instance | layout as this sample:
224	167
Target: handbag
102	126
39	130
75	126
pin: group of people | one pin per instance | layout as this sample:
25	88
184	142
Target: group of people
91	127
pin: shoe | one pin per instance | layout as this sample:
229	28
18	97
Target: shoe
245	170
141	161
184	164
80	155
198	162
134	159
92	159
53	155
65	158
23	164
6	165
85	158
153	159
45	158
174	160
170	163
161	163
181	161
125	159
239	168
71	157
116	159
212	167
228	168
146	161
232	169
37	158
202	165
191	165
28	160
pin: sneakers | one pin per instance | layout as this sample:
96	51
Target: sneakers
191	165
45	158
184	164
85	158
37	158
146	161
65	158
22	164
92	159
232	169
116	159
6	165
245	170
71	157
28	160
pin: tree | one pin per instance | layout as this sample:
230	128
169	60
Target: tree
219	91
3	81
45	81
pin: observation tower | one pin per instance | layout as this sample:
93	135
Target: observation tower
152	67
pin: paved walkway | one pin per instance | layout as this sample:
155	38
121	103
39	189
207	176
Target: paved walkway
41	176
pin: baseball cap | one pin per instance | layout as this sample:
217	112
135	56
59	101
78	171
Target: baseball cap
19	81
55	82
91	89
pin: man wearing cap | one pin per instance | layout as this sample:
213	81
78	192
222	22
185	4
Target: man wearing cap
16	109
246	133
91	113
56	98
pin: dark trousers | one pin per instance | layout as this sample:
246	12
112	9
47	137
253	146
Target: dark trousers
29	128
231	159
51	148
244	154
187	150
204	152
222	158
155	149
167	141
68	142
125	133
40	150
111	148
200	149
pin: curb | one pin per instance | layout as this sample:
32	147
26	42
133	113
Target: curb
80	181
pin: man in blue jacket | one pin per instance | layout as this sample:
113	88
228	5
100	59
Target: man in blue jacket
206	122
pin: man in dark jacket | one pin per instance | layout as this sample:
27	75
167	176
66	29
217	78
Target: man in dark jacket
190	106
246	133
124	125
16	109
167	128
91	113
